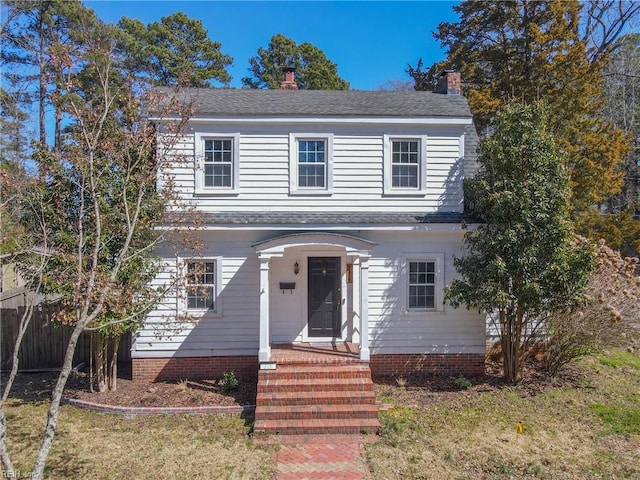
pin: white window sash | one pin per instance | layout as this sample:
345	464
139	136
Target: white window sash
183	298
420	166
439	281
294	164
199	164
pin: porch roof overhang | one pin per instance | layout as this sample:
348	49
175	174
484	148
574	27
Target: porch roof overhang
275	247
318	221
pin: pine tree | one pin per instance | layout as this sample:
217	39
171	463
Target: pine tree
526	51
314	71
31	41
175	51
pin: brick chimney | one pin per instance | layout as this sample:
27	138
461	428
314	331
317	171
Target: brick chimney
289	82
449	83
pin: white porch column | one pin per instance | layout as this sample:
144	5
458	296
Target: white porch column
364	309
355	301
264	352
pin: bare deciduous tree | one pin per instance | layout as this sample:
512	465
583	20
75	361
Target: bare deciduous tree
101	202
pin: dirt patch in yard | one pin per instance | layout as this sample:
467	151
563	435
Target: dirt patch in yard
186	393
412	390
420	390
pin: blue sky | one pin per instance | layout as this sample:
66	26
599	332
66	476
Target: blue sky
372	42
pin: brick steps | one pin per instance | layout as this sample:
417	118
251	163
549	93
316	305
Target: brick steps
315	384
309	398
319	371
317	397
310	412
323	426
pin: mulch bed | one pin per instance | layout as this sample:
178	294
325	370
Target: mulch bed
428	389
418	390
186	393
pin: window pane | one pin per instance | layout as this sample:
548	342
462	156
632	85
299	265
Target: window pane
218	162
422	281
405	163
201	285
311	176
405	151
311	164
404	176
430	299
208	175
311	151
221	175
416	299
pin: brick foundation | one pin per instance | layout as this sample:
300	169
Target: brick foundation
439	364
192	368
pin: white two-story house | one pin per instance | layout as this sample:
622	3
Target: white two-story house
326	217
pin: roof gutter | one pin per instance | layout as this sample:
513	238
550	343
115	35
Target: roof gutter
444	121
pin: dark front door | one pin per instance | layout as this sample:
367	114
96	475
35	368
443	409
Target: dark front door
325	297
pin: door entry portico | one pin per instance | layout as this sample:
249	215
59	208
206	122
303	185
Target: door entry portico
325	297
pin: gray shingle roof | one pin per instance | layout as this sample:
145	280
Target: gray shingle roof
325	219
330	103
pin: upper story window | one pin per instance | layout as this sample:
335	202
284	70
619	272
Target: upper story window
404	165
217	163
310	164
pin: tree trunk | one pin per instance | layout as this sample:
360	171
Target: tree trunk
42	80
113	364
22	328
510	342
7	465
57	130
54	406
100	362
91	364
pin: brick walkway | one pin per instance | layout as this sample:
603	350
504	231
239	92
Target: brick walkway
321	461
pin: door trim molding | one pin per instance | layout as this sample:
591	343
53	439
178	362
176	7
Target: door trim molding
343	285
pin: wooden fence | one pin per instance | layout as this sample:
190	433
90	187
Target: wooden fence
45	341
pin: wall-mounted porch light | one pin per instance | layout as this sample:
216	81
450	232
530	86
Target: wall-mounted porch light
296	268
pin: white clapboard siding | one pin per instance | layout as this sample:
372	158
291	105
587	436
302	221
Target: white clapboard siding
391	328
358	170
236	331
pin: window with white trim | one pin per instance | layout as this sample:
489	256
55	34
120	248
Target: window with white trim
218	162
202	285
424	283
217	166
310	164
405	165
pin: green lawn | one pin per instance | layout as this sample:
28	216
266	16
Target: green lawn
586	429
97	446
